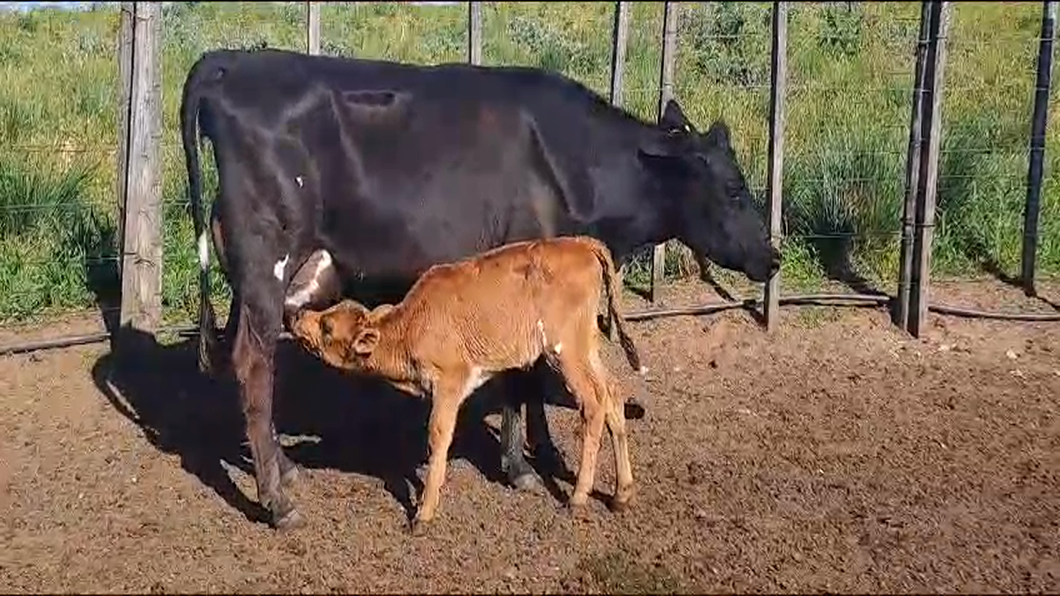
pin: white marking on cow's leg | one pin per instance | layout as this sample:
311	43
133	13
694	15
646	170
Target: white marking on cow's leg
305	293
204	252
279	267
298	179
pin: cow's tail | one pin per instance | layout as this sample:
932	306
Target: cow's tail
189	117
613	312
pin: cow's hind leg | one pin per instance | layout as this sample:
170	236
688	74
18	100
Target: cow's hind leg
513	463
524	387
253	358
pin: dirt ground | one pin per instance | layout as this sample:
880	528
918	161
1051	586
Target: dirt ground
836	454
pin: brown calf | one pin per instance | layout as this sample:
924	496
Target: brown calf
463	322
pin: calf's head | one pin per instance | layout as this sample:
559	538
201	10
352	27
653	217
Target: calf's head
343	336
705	196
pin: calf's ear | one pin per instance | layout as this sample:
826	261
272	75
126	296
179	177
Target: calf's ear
380	311
365	342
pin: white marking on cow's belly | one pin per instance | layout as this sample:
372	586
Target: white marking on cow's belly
204	252
304	294
279	267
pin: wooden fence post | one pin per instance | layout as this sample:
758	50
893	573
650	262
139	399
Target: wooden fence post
618	51
125	57
775	182
912	172
619	38
312	28
474	33
929	160
1037	149
666	91
141	296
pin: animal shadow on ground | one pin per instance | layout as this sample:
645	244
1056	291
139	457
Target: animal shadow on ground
364	426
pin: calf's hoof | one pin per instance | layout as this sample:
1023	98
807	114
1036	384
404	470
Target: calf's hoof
622	500
620	505
418	527
577	512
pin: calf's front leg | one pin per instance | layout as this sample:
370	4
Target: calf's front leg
445	404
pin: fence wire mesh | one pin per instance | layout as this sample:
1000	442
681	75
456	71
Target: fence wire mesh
848	103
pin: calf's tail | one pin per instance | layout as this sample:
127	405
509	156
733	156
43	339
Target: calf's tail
603	255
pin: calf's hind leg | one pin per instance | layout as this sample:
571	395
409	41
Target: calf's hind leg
616	426
578	374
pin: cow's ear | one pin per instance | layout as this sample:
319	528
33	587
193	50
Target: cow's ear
365	342
673	119
718	135
661	161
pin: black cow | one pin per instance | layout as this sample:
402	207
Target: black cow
379	170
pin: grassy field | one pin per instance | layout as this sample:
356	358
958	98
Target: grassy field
848	109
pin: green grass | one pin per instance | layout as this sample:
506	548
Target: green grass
850	75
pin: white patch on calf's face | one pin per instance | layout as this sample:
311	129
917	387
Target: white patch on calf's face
204	252
279	267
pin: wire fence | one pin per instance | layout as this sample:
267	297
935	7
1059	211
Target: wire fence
848	96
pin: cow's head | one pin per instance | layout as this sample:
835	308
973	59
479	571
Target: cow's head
706	197
343	336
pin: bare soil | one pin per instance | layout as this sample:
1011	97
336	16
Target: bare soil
835	454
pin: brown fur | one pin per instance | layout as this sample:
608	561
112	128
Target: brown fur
463	322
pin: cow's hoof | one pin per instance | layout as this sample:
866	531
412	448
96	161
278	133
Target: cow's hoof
525	482
290	476
521	476
292	520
